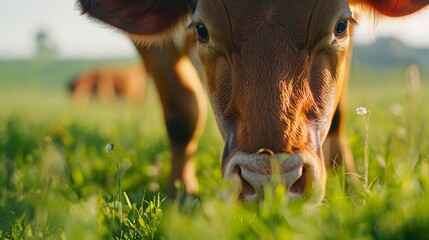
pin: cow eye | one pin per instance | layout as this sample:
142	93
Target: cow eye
203	33
341	28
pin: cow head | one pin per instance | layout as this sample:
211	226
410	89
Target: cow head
275	72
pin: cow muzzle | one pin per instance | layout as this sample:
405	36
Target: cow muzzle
302	173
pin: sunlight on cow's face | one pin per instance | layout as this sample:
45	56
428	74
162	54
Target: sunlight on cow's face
275	71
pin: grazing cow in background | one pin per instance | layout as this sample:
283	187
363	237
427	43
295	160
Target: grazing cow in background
276	73
108	83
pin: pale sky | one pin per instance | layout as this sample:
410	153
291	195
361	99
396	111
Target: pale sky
77	36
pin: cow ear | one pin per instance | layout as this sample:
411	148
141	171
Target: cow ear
393	8
139	17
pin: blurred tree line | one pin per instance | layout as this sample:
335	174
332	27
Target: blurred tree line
390	52
46	47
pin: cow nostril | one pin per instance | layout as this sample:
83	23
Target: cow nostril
298	187
246	188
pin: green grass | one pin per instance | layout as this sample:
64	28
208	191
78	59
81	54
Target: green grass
57	182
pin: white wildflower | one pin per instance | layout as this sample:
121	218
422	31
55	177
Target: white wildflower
361	111
109	147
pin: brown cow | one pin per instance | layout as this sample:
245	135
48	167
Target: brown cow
108	83
276	71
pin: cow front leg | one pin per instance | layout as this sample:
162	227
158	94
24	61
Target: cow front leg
184	107
336	147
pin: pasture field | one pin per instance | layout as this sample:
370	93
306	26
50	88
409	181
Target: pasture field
58	182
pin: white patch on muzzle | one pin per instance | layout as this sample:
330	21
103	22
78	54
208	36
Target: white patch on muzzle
258	169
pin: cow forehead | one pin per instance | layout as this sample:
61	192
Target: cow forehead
270	8
298	20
